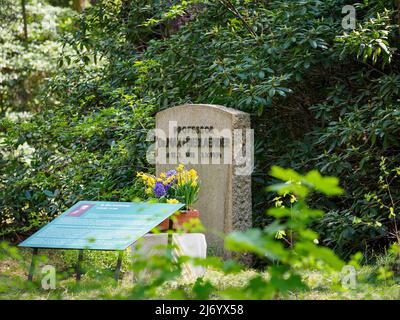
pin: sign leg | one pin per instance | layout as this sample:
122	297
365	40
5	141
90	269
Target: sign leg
33	262
170	234
170	228
78	265
118	268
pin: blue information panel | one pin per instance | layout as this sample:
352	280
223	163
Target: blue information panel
101	225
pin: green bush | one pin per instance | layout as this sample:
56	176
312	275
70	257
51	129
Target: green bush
280	279
26	63
320	97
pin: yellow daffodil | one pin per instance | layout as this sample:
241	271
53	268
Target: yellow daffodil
168	180
193	174
148	180
179	182
183	177
172	201
151	182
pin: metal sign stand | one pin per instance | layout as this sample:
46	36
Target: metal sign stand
170	233
170	228
78	265
118	268
33	263
80	258
126	228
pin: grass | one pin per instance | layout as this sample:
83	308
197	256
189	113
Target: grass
97	281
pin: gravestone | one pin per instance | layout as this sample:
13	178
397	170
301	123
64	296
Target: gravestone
218	143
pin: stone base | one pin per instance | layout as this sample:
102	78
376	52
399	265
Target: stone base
190	244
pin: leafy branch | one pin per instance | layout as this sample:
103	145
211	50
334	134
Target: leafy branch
231	7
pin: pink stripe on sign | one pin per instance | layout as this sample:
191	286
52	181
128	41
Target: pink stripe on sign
80	210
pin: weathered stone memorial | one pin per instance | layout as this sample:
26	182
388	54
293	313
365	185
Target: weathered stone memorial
218	143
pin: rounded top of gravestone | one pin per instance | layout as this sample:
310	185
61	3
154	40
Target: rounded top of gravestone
211	107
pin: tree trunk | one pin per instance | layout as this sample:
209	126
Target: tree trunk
23	4
79	5
398	12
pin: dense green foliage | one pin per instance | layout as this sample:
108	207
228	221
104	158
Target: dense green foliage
280	279
26	63
320	97
299	263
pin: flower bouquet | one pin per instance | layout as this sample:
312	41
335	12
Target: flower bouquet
174	186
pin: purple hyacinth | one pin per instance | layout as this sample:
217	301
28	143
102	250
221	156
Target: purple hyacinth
171	173
168	185
159	190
